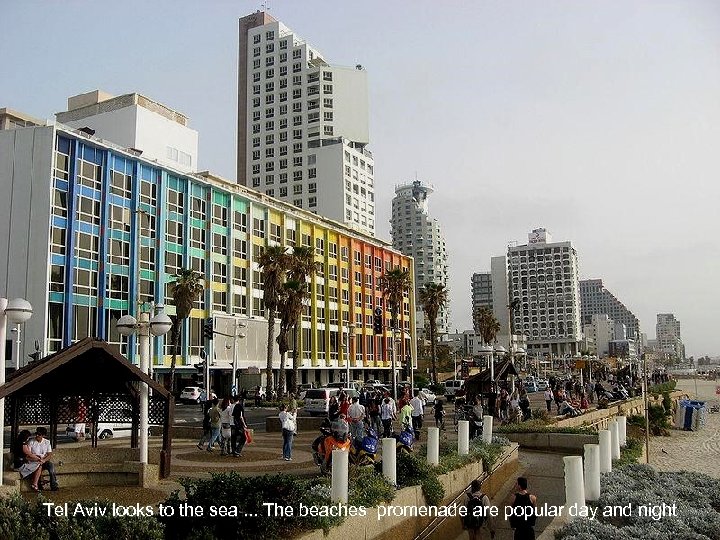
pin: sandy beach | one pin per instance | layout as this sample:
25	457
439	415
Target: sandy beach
696	451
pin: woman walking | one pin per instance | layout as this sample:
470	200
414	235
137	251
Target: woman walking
287	421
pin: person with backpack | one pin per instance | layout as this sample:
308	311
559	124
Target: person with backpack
477	513
523	522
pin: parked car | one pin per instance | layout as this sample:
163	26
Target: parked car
372	382
302	389
543	384
353	385
451	387
317	400
191	394
531	386
105	429
429	396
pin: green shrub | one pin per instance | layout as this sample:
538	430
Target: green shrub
659	420
20	519
657	389
541	415
368	488
667	403
421	381
413	470
630	453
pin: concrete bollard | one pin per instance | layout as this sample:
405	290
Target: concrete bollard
615	439
433	446
622	423
574	487
388	460
487	429
463	437
605	452
339	490
592	472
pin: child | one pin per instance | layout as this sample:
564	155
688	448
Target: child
439	414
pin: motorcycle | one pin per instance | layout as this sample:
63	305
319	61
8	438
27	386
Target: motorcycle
333	437
619	392
405	440
364	452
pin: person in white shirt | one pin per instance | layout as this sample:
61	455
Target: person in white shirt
356	415
548	398
417	414
289	426
387	415
41	448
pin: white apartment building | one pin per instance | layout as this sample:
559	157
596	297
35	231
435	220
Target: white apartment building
601	331
596	299
416	234
303	125
138	123
490	289
668	336
544	278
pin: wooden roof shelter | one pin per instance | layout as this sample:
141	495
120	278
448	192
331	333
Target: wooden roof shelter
481	383
92	372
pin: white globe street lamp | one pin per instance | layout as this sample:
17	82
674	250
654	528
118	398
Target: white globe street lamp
16	311
159	325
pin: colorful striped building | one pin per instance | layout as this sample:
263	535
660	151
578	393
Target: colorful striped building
88	228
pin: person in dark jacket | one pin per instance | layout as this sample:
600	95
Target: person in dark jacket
238	428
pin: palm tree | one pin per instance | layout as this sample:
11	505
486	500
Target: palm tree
274	263
186	290
433	298
302	268
395	284
486	324
292	300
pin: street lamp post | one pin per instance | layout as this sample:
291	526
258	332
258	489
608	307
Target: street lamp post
15	311
159	325
237	336
393	362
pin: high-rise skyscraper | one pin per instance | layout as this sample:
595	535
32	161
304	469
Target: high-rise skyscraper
668	336
595	299
544	279
418	235
303	125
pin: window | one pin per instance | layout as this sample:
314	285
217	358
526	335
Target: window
175	201
197	238
312	202
59	203
270	192
220	215
174	232
298	203
297	161
320	247
197	208
119	252
283	44
85	282
312	173
327	89
219	272
88	210
85	322
297	148
88	246
118	287
297	189
57	278
283	191
57	241
121	184
119	218
89	175
259	227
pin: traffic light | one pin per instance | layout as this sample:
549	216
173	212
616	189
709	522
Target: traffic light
378	321
208	329
200	376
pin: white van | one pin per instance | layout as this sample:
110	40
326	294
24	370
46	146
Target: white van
317	400
452	386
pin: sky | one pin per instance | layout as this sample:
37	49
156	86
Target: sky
598	120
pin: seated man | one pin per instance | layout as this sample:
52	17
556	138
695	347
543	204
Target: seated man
41	448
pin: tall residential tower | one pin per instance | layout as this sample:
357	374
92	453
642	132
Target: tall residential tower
416	234
303	125
595	299
544	278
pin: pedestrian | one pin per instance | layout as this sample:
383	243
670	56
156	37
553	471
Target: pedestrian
523	521
524	404
439	414
504	404
477	513
406	417
417	414
289	426
239	425
344	405
548	398
387	415
207	405
257	396
373	411
476	421
356	417
215	425
333	409
226	423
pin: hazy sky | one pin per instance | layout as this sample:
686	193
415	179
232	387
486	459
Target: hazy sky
598	120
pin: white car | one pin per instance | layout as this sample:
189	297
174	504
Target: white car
105	429
542	384
192	394
429	396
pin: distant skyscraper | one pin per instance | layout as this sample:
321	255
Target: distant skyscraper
482	290
544	278
416	234
303	125
668	337
490	290
595	299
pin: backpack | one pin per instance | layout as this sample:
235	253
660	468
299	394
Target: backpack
474	519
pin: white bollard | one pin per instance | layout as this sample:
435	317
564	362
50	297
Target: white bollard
605	452
622	423
574	487
388	460
592	472
433	446
339	491
614	439
487	429
463	437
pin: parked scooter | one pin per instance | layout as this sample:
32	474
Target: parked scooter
333	437
364	452
405	440
619	392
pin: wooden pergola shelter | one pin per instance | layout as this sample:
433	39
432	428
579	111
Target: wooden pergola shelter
94	373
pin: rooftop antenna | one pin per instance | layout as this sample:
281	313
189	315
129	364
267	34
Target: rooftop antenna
265	5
